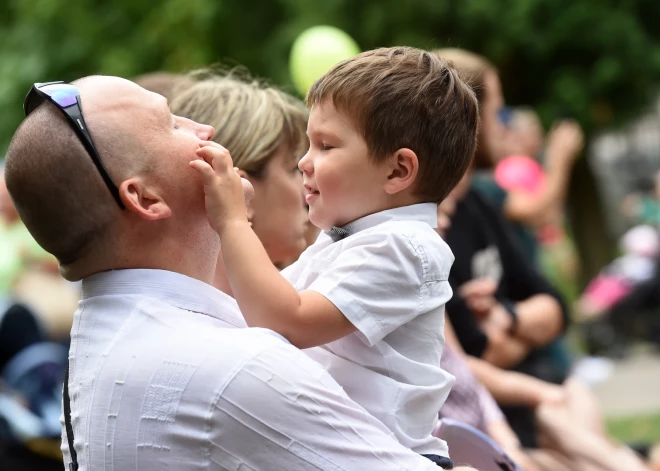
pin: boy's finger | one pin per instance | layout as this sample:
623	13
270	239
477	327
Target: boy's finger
205	169
220	160
213	145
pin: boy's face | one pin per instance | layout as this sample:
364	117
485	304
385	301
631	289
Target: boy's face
342	183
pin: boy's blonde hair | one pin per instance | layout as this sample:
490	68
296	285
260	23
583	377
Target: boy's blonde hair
252	119
403	97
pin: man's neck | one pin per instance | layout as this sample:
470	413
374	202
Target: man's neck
179	259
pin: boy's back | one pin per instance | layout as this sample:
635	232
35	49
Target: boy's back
389	278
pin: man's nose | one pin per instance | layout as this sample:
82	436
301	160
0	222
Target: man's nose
205	132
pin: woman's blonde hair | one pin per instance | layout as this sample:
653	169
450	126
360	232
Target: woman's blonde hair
473	69
252	119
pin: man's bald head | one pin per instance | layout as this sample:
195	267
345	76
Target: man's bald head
58	191
65	204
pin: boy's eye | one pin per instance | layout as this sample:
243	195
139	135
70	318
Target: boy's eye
325	147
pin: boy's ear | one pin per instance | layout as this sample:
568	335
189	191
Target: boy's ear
143	200
249	206
403	167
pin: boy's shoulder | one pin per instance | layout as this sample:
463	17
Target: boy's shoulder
417	232
415	238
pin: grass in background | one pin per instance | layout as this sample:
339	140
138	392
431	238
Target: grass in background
636	429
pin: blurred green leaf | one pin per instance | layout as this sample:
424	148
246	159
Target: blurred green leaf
573	55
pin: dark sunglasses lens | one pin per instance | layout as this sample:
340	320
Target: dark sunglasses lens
63	94
32	100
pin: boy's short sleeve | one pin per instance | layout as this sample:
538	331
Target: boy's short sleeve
382	280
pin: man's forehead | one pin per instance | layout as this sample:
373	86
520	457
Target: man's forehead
107	94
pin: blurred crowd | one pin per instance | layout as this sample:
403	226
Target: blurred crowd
514	280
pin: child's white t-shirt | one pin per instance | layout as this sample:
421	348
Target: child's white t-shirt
389	278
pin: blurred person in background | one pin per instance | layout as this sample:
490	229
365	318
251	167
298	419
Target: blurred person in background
520	209
524	173
547	425
503	310
36	308
525	209
264	129
623	301
29	274
526	132
643	205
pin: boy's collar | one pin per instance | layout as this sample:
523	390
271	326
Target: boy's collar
422	212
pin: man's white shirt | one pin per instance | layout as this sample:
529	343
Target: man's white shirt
165	376
389	278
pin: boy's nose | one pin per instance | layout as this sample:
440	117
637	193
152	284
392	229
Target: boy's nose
305	164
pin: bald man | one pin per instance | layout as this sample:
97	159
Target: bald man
163	373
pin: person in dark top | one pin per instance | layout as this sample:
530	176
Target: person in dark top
526	210
520	208
512	312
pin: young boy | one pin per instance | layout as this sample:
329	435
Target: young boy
391	132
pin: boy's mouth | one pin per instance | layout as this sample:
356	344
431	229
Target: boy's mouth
310	193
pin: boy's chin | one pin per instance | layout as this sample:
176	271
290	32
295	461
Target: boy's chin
319	221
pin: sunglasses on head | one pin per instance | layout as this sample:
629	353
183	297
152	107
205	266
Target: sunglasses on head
66	98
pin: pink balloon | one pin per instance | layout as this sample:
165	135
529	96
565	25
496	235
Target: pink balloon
519	172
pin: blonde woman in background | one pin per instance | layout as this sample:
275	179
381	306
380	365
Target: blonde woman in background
265	131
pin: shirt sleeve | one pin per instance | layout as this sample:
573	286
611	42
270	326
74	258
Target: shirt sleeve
281	410
381	281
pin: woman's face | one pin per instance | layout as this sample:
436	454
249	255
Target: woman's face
278	212
494	137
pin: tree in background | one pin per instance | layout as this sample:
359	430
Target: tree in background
595	60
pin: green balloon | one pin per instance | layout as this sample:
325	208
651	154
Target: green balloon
315	51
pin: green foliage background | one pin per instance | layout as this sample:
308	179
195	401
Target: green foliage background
592	59
596	60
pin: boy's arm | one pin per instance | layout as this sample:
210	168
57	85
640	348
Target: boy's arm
266	298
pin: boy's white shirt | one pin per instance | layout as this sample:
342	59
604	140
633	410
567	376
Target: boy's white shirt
389	278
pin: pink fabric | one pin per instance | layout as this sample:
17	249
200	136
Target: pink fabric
604	291
519	172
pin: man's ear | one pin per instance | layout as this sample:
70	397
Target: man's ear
403	167
249	206
143	200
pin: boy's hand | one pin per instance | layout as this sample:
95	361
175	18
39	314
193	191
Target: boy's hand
226	192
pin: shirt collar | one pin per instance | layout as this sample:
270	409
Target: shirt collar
422	212
173	288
